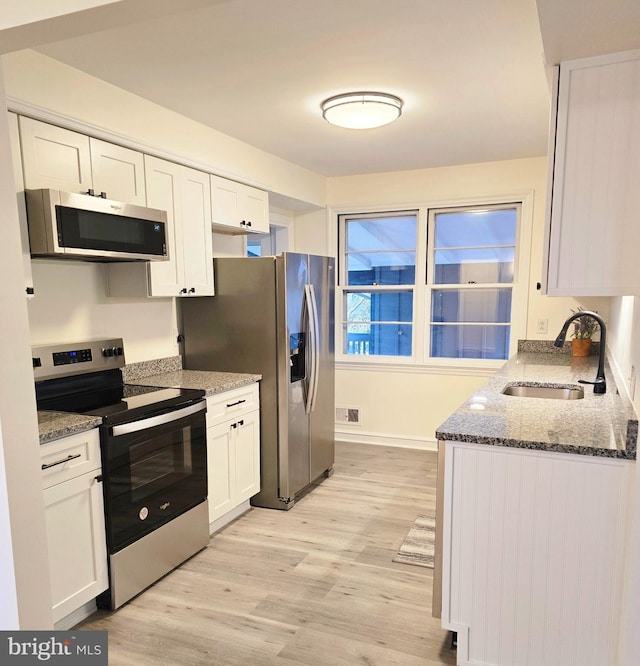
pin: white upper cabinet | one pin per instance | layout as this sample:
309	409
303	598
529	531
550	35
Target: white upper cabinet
184	193
54	157
238	208
58	158
118	171
593	233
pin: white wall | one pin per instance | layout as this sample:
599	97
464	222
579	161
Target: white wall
71	303
25	598
312	233
624	341
409	406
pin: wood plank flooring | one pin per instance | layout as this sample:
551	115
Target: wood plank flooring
314	586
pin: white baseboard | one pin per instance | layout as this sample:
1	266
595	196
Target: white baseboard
76	616
228	517
386	439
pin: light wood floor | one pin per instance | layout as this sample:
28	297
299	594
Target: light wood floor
313	586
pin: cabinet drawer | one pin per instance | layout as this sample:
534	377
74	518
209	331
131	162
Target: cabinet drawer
70	457
231	403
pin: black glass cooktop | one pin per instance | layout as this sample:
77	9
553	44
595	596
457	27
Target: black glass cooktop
103	394
144	398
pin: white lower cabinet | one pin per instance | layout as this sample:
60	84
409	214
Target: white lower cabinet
74	516
534	545
233	449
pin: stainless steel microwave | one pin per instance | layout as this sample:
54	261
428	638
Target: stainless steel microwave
83	226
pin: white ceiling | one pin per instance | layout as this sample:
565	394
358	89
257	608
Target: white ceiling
471	73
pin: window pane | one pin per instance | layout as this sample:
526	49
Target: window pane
254	248
378	340
385	268
474	265
384	233
471	305
468	341
362	332
476	228
367	306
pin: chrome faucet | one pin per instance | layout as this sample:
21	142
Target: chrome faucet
600	384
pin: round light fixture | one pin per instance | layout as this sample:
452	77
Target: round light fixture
361	110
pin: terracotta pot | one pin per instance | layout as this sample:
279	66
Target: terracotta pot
581	347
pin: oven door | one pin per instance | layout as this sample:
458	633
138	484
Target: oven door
154	469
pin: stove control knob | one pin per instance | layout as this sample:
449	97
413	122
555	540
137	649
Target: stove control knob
107	352
118	351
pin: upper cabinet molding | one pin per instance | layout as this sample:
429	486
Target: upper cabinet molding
592	231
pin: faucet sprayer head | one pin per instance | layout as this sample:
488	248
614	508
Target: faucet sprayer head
562	336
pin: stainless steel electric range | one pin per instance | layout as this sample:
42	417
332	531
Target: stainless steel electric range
154	459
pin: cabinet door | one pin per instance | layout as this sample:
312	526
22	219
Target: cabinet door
54	157
196	233
238	208
76	541
166	278
118	171
594	232
225	204
247	456
220	470
14	135
255	209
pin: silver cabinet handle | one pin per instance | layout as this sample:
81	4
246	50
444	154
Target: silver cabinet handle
60	462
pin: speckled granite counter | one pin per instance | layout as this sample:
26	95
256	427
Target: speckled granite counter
597	425
210	382
53	425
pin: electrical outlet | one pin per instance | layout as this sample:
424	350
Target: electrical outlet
541	327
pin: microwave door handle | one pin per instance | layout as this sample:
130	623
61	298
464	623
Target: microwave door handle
162	419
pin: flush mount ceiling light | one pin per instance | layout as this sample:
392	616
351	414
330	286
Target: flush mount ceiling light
361	110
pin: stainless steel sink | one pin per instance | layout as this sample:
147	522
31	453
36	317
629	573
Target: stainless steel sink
567	392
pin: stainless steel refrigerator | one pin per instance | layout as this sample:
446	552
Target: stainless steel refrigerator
274	316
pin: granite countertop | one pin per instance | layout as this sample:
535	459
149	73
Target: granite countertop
209	382
597	425
53	425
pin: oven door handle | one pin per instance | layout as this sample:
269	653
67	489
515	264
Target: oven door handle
153	421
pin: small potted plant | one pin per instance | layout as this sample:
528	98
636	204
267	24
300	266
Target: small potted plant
583	330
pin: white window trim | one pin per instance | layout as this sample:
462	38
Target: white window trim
420	359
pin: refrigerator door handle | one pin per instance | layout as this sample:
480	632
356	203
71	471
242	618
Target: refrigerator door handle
311	347
315	358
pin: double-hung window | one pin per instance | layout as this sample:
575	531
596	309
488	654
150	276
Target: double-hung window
379	274
471	281
429	284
